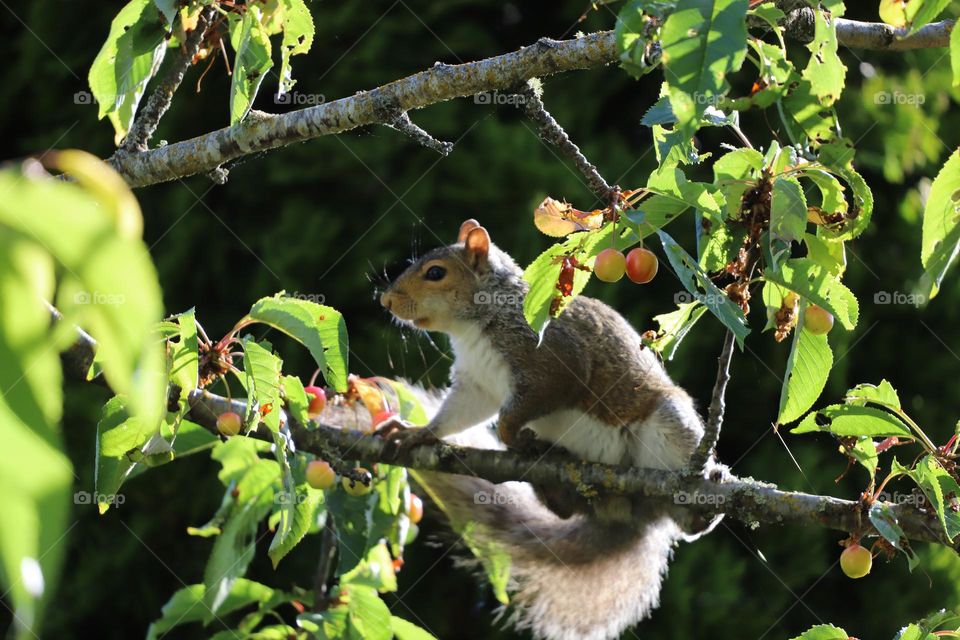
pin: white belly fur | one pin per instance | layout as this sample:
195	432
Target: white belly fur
475	353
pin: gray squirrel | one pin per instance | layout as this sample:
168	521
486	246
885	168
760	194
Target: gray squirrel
579	569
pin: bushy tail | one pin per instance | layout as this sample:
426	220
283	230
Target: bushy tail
575	578
570	579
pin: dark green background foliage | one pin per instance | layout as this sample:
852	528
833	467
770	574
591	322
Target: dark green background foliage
331	216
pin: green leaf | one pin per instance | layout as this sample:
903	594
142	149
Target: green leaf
702	41
854	420
823	632
634	30
404	630
825	71
815	283
925	12
120	439
955	55
941	233
376	570
107	284
838	157
302	506
368	615
128	59
674	327
296	397
251	62
671	182
865	453
827	253
884	520
808	368
788	217
262	369
184	356
410	408
941	490
883	394
807	115
699	285
298	32
318	327
186	605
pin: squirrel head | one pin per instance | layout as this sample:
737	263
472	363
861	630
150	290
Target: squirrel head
453	285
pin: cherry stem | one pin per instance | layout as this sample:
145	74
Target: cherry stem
313	378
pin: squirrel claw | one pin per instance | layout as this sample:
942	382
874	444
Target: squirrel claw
401	437
390	427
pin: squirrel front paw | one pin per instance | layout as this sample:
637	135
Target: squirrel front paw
402	437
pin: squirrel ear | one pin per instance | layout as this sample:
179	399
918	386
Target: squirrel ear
466	228
477	245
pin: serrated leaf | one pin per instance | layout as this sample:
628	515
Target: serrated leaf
368	616
184	356
808	368
262	369
376	571
298	32
924	12
318	327
815	283
883	393
296	399
127	60
941	233
186	605
702	41
825	71
829	254
854	420
885	522
788	217
941	490
674	327
823	632
864	451
251	61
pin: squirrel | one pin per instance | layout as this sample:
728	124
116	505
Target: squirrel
580	569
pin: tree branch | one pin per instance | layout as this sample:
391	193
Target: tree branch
553	133
749	501
444	82
711	434
148	119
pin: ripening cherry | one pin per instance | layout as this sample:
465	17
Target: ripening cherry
318	400
642	265
856	561
610	265
414	508
355	487
817	321
229	423
320	475
382	416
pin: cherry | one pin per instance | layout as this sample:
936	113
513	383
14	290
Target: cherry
229	423
642	265
320	475
415	508
317	402
355	487
817	321
382	416
856	561
610	265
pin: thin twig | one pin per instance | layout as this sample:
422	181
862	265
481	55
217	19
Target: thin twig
328	551
551	131
149	117
711	435
404	124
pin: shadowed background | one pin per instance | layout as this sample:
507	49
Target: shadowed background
335	216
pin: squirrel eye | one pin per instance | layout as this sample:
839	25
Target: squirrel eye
435	273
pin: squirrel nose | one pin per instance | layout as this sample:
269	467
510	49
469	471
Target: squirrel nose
385	300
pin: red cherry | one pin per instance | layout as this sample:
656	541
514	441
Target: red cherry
642	265
609	265
318	400
415	508
382	416
320	475
229	423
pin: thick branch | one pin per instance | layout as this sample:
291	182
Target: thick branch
440	83
148	119
748	501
